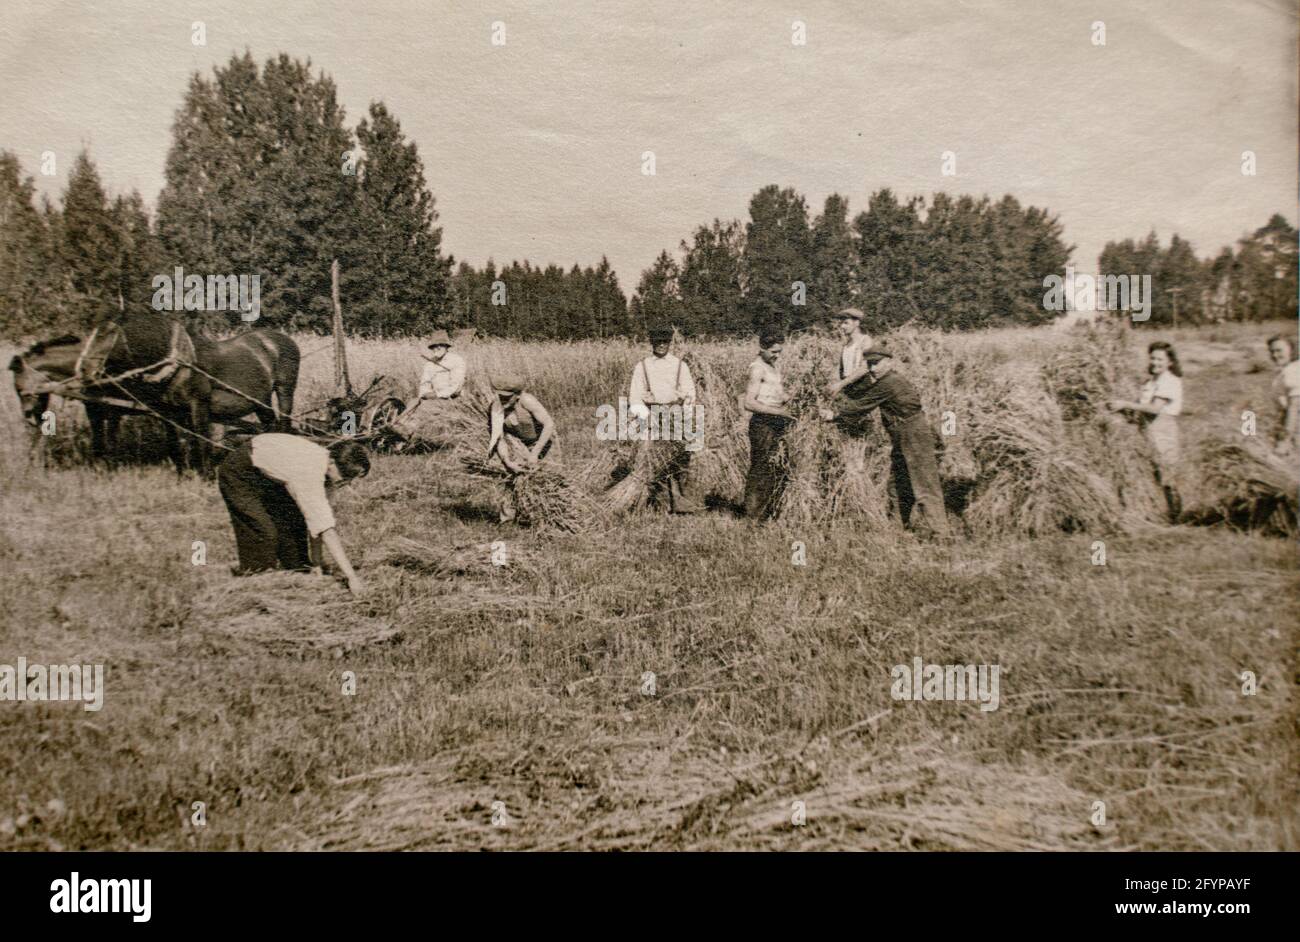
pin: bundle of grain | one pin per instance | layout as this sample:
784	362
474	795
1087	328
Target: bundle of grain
829	474
643	470
1082	377
1033	478
543	497
1244	484
719	467
1090	370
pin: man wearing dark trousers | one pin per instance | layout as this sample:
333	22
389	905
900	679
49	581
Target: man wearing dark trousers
274	486
915	468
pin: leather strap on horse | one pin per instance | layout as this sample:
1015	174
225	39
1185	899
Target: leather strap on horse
181	349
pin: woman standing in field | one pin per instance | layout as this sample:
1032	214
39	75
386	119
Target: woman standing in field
521	431
765	398
1286	393
1157	409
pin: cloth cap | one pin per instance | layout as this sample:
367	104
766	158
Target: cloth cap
660	334
439	338
507	382
849	313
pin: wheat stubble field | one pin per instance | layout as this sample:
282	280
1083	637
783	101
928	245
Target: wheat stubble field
514	693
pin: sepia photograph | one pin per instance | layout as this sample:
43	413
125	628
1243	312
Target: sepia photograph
621	427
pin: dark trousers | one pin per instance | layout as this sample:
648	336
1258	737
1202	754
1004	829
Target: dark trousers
269	528
767	474
915	479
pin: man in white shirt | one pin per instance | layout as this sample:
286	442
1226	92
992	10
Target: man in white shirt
1286	393
441	381
851	370
274	486
662	379
856	343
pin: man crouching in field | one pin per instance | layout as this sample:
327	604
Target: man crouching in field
274	486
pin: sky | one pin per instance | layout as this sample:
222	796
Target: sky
533	149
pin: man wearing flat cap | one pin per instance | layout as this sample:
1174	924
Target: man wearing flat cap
441	381
663	380
915	483
856	342
851	368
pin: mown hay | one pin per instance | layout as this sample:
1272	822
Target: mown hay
289	613
1245	485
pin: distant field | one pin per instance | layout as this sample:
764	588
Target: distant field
507	706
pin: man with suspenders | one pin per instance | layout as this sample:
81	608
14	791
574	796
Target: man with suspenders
664	380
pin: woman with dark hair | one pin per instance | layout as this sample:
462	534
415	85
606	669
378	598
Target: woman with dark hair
1157	410
765	399
1286	393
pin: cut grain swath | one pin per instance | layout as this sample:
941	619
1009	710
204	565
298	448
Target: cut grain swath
1245	485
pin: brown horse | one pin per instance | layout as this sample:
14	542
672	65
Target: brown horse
52	361
153	362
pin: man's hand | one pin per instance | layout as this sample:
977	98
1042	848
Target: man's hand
356	586
826	415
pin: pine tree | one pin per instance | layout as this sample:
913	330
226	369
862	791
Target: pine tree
257	182
657	301
406	285
777	257
31	292
711	280
90	249
834	260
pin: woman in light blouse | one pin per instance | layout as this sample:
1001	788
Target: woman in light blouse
1157	410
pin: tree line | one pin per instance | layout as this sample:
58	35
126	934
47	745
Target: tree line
264	176
1253	281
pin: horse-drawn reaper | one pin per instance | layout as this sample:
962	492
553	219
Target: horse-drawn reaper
151	364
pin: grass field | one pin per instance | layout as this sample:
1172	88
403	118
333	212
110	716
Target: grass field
508	706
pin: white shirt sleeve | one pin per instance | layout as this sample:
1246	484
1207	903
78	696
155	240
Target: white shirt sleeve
1168	386
300	465
1291	379
686	388
456	376
636	393
426	380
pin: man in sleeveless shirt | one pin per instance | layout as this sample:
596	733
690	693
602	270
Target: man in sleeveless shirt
664	380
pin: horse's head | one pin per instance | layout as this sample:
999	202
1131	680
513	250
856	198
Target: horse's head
27	381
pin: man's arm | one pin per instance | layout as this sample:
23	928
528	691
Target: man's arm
751	396
426	382
1290	424
838	386
332	543
456	379
686	391
637	390
859	406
